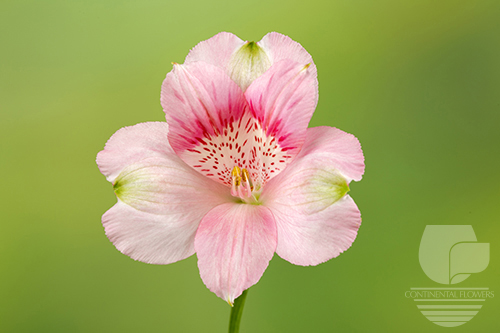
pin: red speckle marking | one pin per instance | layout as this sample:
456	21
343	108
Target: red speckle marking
225	149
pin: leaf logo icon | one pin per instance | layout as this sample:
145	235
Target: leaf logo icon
449	254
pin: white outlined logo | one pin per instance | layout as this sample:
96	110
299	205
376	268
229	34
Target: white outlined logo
448	255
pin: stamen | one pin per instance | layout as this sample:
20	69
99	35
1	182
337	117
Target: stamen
236	171
242	185
246	179
236	181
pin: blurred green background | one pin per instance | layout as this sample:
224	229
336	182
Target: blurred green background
418	82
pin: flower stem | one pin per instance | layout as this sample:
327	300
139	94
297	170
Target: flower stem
236	311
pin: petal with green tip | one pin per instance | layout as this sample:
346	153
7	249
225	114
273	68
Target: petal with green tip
247	64
161	200
315	217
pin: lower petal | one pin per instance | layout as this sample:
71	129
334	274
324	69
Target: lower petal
234	244
150	238
312	239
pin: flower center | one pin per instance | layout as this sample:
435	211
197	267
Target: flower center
242	185
241	143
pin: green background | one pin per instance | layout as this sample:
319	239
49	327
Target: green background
418	82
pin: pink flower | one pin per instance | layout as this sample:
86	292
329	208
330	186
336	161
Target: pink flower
236	175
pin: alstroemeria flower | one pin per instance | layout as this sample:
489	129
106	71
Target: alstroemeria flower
236	175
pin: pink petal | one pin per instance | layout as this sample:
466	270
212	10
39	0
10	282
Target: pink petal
315	218
342	150
283	100
168	186
234	245
221	49
279	47
150	238
161	200
241	61
199	101
216	51
310	239
131	144
212	129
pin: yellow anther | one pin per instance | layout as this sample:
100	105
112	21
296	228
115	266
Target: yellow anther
237	180
246	178
244	175
236	171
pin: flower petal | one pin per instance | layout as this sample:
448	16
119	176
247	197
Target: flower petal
161	200
150	238
132	144
231	54
315	218
168	186
234	244
212	129
283	100
242	61
216	51
305	239
248	63
339	149
199	101
279	47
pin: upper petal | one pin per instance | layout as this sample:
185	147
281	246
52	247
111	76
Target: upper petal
212	128
242	61
248	63
315	218
245	61
161	200
216	51
131	144
283	100
199	101
234	244
278	47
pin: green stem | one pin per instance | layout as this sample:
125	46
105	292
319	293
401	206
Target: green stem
236	311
